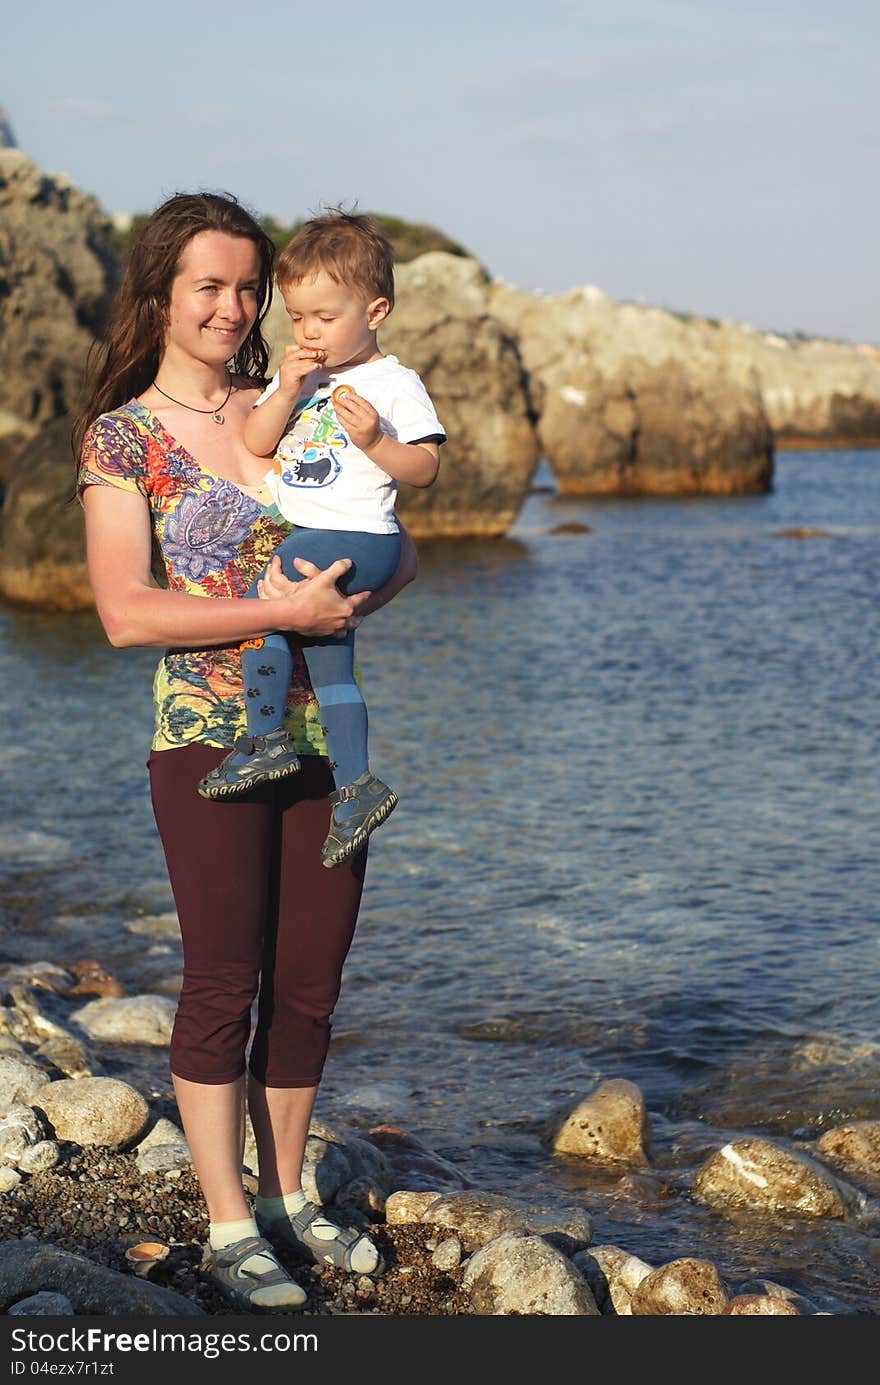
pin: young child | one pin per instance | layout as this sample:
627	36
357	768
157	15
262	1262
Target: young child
345	424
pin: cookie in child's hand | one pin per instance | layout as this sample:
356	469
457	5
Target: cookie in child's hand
340	393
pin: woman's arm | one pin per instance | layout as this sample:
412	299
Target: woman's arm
274	584
134	611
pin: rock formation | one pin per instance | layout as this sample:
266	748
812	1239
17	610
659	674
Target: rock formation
42	555
57	273
634	401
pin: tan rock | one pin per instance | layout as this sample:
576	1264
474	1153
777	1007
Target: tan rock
759	1305
403	1206
480	1217
609	1126
613	1276
58	269
136	1019
686	1286
94	1111
763	1176
855	1146
42	552
525	1275
635	401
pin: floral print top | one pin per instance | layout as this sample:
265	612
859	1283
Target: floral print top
212	540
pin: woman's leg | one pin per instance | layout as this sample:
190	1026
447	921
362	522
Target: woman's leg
306	945
218	858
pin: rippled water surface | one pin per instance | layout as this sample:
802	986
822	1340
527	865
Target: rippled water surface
638	771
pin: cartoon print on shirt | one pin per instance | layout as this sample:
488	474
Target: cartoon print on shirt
307	454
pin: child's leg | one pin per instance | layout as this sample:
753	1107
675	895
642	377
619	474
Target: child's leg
267	753
331	661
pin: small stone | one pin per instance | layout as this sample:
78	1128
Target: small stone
447	1255
42	1305
402	1207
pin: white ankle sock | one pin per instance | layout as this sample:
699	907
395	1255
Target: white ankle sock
225	1233
269	1209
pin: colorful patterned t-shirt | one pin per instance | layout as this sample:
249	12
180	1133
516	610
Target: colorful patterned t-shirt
212	540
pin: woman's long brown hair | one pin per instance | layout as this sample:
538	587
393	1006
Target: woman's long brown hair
125	360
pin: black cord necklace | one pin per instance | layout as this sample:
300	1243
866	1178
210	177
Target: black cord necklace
215	413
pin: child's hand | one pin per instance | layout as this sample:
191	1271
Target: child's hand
358	417
296	364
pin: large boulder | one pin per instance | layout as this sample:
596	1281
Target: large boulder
442	327
636	401
817	392
42	553
58	270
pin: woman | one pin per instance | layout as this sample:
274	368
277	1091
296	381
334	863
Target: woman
163	472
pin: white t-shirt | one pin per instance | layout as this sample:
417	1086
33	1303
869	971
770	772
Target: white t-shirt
319	479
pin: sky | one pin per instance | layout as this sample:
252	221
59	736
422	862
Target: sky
714	158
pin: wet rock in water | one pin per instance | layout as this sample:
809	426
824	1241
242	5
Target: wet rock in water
802	532
768	1288
525	1275
92	979
480	1217
27	1020
613	1276
760	1175
405	1206
683	1287
26	1267
855	1146
94	1111
448	1254
759	1305
45	974
68	1056
414	1164
607	1127
42	1305
20	1079
571	527
136	1019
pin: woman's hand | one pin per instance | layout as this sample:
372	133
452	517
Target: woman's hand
323	594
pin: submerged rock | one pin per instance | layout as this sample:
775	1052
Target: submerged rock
608	1127
758	1174
855	1146
480	1217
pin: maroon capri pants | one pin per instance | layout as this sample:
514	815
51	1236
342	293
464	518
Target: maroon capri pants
260	917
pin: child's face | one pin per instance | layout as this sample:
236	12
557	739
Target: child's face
334	318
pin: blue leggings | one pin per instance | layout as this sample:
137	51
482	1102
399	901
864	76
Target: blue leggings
266	671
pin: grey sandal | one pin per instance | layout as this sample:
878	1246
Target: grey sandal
294	1234
239	1285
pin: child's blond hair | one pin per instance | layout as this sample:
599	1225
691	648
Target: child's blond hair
350	248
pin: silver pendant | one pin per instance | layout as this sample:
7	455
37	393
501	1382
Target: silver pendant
218	417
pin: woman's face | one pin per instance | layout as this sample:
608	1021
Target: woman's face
213	301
